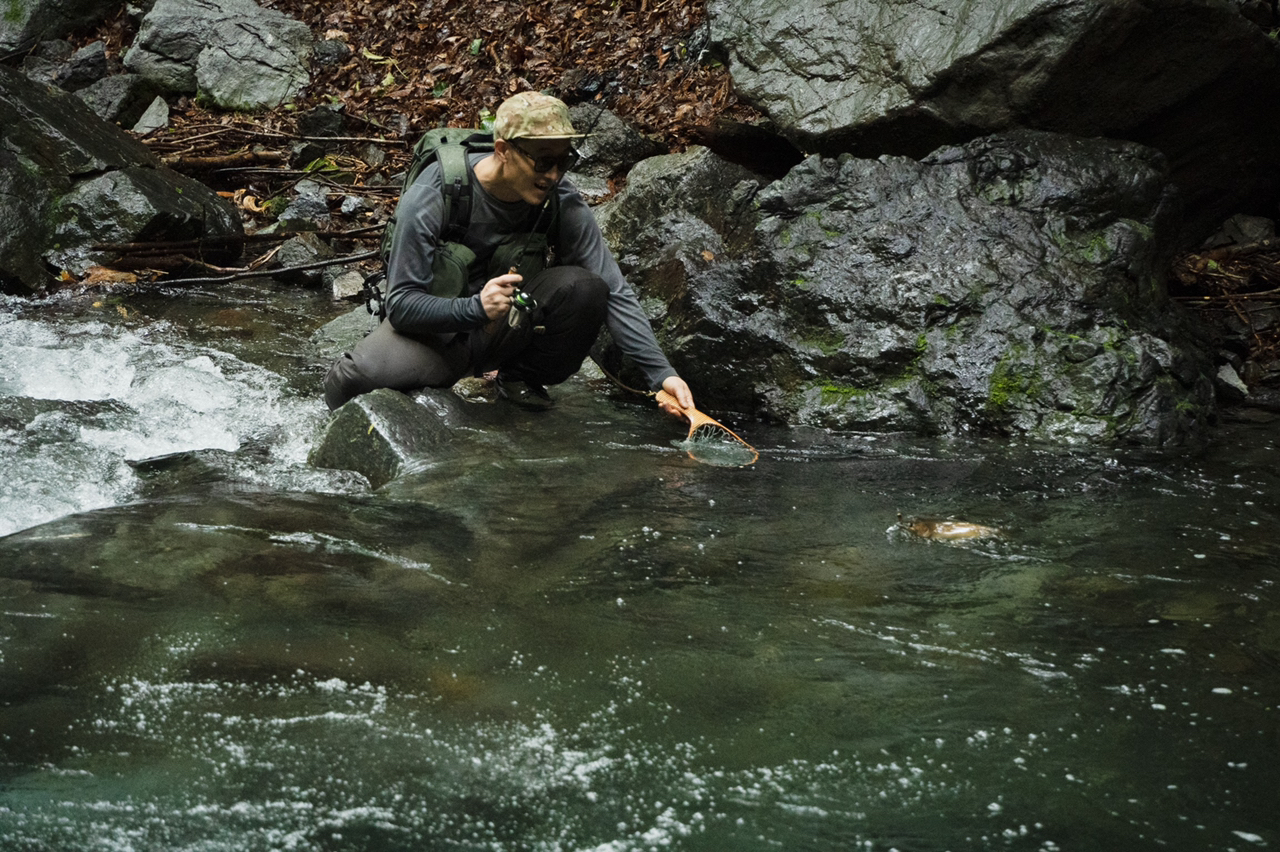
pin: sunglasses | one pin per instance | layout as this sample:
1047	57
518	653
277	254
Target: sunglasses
542	165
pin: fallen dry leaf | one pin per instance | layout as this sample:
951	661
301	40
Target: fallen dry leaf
103	276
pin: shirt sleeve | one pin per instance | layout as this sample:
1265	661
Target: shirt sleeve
582	244
411	308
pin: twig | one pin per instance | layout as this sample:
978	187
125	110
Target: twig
203	242
240	275
1239	250
221	128
1229	296
274	134
402	143
1221	306
369	121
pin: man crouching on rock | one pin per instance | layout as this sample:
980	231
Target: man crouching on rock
535	330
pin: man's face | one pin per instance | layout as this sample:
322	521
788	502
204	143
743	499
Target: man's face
526	156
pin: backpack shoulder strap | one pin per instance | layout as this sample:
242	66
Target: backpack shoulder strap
456	189
456	179
449	146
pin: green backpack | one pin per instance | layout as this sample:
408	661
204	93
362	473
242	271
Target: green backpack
451	267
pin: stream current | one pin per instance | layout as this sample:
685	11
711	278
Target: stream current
567	635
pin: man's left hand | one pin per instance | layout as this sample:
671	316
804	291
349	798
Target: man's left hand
679	389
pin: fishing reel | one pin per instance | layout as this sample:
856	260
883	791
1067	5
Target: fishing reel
522	306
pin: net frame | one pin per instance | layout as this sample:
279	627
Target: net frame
703	424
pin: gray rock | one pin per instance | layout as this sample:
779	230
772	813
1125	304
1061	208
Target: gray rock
1260	12
302	250
25	22
1230	385
342	334
325	120
74	180
120	98
41	70
1242	230
355	204
126	204
86	66
304	154
233	53
308	210
1192	78
384	434
592	189
329	52
1013	285
373	156
613	146
347	286
154	117
57	50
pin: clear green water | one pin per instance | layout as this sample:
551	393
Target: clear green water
566	635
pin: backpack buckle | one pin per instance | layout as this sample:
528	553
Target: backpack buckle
373	300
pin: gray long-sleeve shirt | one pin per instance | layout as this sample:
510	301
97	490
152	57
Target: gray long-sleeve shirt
411	308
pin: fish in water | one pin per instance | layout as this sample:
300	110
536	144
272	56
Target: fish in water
945	530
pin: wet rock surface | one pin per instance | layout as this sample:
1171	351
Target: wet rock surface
383	434
1197	80
1013	285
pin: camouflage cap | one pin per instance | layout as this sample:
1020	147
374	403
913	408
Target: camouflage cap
533	115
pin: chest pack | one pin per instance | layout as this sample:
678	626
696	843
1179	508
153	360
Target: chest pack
454	263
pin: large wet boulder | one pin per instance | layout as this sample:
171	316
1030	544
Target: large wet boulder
1196	79
1013	285
384	434
233	53
25	22
70	181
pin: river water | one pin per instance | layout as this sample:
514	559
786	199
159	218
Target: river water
567	635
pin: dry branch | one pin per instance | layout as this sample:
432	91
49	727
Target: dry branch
246	273
161	247
225	161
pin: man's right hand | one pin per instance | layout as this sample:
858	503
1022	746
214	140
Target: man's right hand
497	294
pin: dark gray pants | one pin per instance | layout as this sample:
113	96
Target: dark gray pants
571	309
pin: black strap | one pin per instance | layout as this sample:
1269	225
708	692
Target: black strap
456	177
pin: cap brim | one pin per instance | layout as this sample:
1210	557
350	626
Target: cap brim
557	136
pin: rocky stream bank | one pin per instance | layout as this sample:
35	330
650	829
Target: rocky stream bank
968	221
